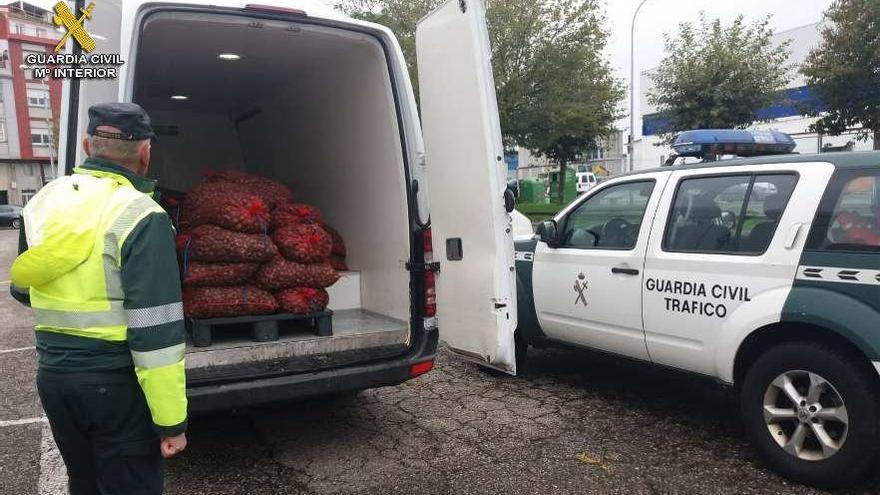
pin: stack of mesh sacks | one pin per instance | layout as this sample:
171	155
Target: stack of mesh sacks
242	255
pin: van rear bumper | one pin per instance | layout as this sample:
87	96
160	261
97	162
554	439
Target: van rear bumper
246	393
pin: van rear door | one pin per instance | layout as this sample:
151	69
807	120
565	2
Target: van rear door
466	179
77	95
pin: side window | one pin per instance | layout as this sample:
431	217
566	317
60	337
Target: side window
610	219
848	216
735	214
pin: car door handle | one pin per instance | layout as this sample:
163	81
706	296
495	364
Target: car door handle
624	271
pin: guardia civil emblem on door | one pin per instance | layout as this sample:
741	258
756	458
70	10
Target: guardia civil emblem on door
580	288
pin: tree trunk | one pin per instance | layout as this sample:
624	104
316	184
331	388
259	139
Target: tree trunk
563	167
877	139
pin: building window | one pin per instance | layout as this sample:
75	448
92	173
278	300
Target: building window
18	28
26	195
41	33
2	131
40	138
38	98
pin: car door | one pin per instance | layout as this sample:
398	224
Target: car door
472	232
588	287
723	261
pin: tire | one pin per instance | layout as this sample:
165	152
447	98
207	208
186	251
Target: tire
828	378
16	223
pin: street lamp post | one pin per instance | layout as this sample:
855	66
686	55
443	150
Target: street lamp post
632	87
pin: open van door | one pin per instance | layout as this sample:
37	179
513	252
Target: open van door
473	240
77	95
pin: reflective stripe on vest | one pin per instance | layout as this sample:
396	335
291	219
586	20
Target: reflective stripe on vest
79	319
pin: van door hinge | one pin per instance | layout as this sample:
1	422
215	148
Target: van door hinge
423	267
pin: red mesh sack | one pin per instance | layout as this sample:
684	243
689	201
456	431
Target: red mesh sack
218	274
303	300
293	214
273	192
212	243
251	217
338	263
283	274
225	205
219	302
303	243
338	242
219	192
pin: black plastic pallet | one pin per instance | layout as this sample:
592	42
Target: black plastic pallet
263	328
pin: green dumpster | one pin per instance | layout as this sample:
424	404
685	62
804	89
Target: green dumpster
570	186
532	190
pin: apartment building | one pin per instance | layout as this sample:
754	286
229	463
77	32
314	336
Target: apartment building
29	107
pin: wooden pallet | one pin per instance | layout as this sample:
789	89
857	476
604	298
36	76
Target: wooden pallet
263	328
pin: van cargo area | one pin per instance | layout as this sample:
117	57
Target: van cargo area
310	106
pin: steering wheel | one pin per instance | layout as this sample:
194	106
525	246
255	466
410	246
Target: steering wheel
617	232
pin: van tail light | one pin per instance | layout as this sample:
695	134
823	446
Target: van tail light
430	276
420	368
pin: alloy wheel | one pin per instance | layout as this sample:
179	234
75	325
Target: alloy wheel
806	415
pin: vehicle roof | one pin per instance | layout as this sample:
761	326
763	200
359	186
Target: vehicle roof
842	159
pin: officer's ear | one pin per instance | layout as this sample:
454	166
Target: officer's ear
144	157
87	146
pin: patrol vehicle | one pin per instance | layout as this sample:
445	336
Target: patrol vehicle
763	273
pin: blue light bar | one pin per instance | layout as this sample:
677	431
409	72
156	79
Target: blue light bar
705	142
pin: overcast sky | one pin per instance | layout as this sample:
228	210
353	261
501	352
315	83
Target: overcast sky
663	16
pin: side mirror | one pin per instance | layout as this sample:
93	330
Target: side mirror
509	200
547	233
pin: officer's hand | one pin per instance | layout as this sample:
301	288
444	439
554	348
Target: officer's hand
171	446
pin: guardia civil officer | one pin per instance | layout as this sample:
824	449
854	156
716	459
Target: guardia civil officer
98	268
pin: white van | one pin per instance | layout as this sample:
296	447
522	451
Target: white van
585	182
300	93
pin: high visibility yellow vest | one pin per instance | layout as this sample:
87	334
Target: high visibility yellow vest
76	227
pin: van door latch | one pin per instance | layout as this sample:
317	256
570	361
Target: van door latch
423	267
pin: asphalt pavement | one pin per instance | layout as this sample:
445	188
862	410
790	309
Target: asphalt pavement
573	422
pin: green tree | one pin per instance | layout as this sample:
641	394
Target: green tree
716	76
844	70
556	93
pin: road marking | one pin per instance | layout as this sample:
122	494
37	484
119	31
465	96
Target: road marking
18	349
6	282
25	421
53	473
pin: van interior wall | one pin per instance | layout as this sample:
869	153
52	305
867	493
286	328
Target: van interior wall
331	133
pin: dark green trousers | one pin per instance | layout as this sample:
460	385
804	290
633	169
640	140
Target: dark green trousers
103	428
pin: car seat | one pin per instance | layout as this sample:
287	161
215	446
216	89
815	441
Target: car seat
760	236
703	230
